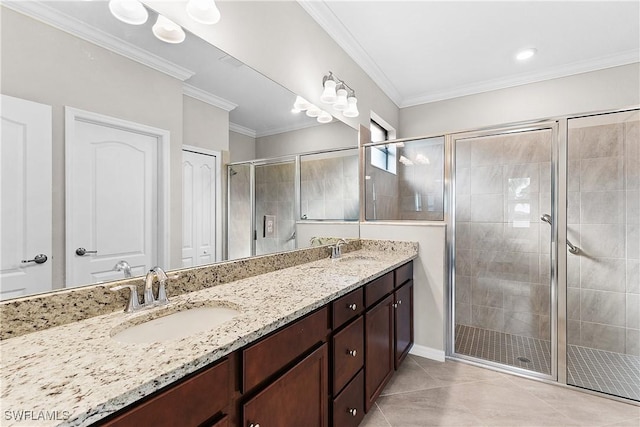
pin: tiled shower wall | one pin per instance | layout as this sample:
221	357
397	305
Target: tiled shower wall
240	206
502	248
275	195
604	221
329	188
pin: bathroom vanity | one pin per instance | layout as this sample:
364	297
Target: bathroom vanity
314	344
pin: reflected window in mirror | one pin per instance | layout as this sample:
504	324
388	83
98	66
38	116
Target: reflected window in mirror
329	186
415	188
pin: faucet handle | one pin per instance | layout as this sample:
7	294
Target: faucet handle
133	304
162	292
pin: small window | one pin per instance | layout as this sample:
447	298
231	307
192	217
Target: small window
382	156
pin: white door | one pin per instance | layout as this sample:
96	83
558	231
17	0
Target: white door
25	198
198	208
112	198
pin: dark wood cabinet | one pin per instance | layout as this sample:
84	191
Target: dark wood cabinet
348	406
379	349
348	354
403	322
298	398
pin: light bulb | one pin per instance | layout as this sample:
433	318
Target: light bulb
324	117
352	109
341	100
168	31
313	111
525	54
203	11
129	11
329	93
301	104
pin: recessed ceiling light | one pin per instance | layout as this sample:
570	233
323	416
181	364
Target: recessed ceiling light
526	54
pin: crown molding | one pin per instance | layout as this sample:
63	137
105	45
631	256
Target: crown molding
234	127
619	59
44	13
324	16
207	97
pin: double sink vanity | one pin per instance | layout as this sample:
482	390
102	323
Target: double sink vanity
312	344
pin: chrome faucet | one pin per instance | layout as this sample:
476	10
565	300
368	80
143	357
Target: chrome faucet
124	267
336	250
149	299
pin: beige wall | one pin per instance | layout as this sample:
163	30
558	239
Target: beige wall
241	147
316	138
612	88
46	65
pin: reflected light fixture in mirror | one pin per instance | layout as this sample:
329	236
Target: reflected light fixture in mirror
203	11
324	117
129	11
168	31
313	111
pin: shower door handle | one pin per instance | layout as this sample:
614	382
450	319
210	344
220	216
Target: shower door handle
572	248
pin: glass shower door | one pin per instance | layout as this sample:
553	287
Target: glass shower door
502	249
603	283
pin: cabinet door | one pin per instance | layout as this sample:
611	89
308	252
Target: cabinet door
403	304
298	398
379	353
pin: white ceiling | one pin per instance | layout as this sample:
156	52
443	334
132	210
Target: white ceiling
423	51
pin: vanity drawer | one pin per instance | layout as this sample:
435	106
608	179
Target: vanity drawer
404	273
273	353
378	288
348	407
190	403
347	307
348	354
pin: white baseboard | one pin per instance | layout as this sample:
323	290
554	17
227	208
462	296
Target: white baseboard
427	352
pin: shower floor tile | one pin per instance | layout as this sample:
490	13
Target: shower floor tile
603	371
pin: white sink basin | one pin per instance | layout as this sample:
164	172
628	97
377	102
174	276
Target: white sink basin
177	325
358	260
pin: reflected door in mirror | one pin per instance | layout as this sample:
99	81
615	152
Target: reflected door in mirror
25	171
112	199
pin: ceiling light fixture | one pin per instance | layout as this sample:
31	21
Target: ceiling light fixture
337	93
203	11
129	11
168	31
526	54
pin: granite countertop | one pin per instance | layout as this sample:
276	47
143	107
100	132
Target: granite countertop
76	374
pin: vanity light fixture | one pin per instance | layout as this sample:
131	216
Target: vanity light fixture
203	11
337	93
168	31
526	54
129	11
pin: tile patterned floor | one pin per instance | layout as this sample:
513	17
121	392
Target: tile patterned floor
604	371
426	393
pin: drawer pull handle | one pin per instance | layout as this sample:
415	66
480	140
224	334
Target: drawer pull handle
352	353
353	306
352	411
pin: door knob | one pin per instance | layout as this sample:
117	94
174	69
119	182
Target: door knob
38	259
82	251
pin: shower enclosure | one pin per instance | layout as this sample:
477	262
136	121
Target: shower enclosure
544	245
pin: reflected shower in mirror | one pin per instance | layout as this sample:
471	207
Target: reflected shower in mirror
192	94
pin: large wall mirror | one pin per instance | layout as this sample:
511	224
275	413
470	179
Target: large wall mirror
117	138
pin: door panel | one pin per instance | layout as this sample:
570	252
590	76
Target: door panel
112	206
198	211
25	224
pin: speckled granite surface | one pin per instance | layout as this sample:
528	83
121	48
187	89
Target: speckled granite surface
35	313
77	374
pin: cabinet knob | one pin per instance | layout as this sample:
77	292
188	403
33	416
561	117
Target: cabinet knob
254	425
353	306
395	305
352	411
352	353
399	302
